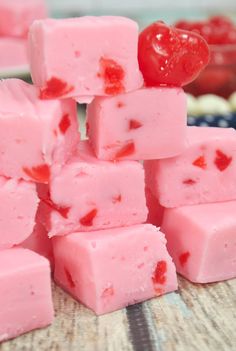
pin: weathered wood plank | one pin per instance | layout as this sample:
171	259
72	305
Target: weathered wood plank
198	318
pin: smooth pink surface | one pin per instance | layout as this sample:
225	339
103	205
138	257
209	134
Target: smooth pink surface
13	53
155	210
204	173
16	16
109	269
18	206
25	292
32	131
201	240
71	50
152	120
39	242
87	194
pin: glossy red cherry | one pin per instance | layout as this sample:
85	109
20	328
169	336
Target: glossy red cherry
214	79
216	30
182	24
231	36
170	56
195	26
220	27
222	21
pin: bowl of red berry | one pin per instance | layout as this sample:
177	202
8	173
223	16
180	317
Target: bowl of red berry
219	77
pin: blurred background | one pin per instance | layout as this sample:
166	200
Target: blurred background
145	11
212	94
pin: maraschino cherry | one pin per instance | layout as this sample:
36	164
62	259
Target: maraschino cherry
171	56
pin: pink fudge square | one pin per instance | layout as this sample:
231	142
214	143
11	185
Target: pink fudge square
34	134
13	54
25	292
18	206
109	269
150	123
16	16
204	173
40	243
85	56
201	240
88	194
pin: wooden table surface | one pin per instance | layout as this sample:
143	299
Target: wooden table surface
196	317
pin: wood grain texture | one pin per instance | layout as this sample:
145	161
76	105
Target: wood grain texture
196	318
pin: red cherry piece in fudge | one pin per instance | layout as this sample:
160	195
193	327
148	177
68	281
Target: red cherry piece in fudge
108	292
189	181
200	162
159	275
183	258
113	76
40	174
116	199
134	124
87	220
159	291
64	123
222	161
69	278
120	104
64	211
171	56
55	88
126	150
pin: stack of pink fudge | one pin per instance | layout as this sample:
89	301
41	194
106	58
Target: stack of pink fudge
16	16
87	208
94	207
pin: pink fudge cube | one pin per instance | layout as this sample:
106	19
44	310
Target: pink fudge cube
205	172
25	292
13	54
34	134
87	194
201	240
109	269
145	124
84	56
40	243
18	206
16	16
